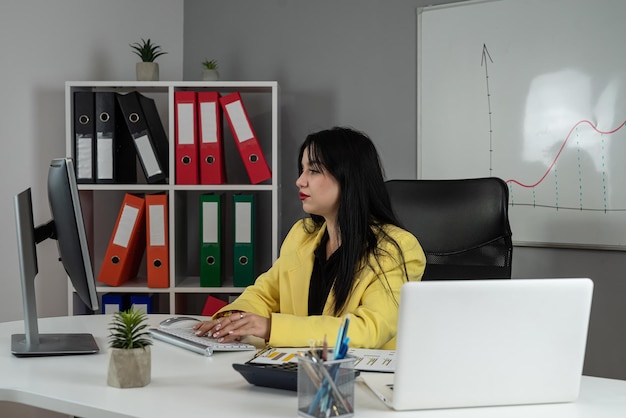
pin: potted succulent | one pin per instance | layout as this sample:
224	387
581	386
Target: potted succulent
209	70
147	69
130	360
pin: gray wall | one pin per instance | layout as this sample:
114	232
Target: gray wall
349	63
606	342
353	63
44	44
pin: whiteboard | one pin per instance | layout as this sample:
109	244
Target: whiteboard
533	92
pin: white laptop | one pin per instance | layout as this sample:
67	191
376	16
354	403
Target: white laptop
487	342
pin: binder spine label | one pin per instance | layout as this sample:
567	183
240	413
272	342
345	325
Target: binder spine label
243	227
210	227
104	154
239	121
148	157
209	123
84	151
185	124
126	226
157	229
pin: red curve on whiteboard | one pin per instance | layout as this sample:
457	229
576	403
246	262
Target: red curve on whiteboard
594	127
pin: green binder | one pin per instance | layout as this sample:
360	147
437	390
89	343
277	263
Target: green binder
211	240
243	210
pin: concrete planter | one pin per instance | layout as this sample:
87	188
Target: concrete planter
147	71
129	368
210	75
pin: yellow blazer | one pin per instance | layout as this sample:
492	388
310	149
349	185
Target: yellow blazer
282	293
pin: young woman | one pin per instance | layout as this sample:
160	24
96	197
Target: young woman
350	256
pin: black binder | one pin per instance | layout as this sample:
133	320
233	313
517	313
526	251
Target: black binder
84	134
159	137
147	133
115	155
125	153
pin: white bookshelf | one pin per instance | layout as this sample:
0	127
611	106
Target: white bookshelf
101	202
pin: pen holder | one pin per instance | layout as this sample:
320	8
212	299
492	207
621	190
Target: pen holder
325	388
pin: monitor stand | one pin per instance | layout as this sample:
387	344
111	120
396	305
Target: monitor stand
53	345
31	343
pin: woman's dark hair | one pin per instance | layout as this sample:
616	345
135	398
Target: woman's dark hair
364	205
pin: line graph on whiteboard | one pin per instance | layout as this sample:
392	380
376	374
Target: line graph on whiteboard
542	109
591	191
576	175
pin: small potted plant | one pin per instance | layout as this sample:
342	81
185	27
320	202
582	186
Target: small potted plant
147	69
209	70
130	361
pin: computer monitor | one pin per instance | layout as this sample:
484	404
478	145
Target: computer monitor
68	229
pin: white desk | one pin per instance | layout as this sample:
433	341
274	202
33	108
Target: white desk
187	384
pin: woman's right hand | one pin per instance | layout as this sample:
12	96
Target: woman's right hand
235	326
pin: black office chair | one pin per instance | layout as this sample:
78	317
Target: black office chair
462	225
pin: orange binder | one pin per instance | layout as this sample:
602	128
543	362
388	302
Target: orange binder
127	243
212	168
186	137
245	138
157	248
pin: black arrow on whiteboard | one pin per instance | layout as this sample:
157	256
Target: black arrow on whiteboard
484	62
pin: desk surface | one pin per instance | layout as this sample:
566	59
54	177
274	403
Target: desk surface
187	384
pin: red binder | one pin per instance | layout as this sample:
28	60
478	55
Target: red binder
157	248
212	168
212	305
186	137
127	243
245	138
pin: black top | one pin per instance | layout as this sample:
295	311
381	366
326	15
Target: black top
322	277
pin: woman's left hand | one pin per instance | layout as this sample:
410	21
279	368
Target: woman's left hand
235	326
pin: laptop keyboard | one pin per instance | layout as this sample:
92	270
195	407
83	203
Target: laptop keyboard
187	339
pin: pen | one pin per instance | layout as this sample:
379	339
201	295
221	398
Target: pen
345	327
341	349
339	339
